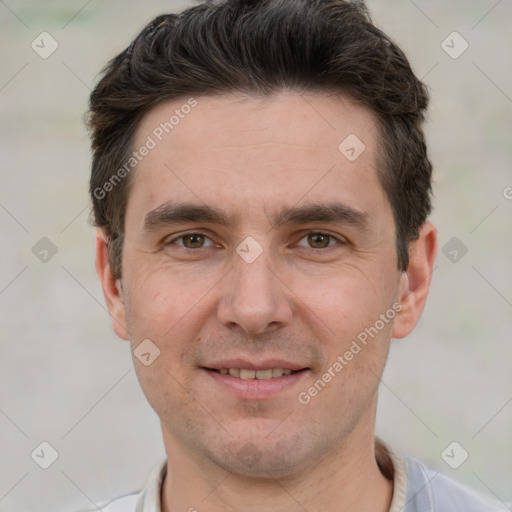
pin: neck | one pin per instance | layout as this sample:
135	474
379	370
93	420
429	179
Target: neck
347	479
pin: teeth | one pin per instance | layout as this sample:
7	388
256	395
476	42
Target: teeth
245	374
264	374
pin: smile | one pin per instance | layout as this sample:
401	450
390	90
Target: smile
245	374
255	384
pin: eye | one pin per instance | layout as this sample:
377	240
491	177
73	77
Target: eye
191	241
317	240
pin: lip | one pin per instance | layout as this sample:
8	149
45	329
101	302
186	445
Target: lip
255	389
254	365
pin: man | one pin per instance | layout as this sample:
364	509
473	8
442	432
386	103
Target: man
261	188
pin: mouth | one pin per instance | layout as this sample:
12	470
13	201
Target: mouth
249	374
250	382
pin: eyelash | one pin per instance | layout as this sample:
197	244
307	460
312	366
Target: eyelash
331	237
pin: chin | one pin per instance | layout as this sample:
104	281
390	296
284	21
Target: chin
264	461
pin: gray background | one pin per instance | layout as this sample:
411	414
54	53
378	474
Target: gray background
67	380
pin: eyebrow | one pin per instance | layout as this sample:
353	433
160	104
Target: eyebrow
333	213
171	213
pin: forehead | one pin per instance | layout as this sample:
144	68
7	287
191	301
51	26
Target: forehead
313	120
244	150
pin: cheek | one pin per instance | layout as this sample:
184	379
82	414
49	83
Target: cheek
163	309
346	301
165	388
160	297
346	317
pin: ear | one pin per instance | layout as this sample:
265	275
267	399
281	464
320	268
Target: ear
415	283
111	286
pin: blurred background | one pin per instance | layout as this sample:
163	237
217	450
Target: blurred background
66	380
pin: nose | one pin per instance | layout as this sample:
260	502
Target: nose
254	297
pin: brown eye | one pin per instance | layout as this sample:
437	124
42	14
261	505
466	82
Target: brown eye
193	240
319	240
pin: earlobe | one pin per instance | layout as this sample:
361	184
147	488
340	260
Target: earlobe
415	283
111	286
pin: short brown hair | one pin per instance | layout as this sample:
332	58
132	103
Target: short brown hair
260	47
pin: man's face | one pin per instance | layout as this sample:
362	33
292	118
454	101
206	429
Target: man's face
307	263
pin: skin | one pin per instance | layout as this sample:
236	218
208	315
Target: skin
304	299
